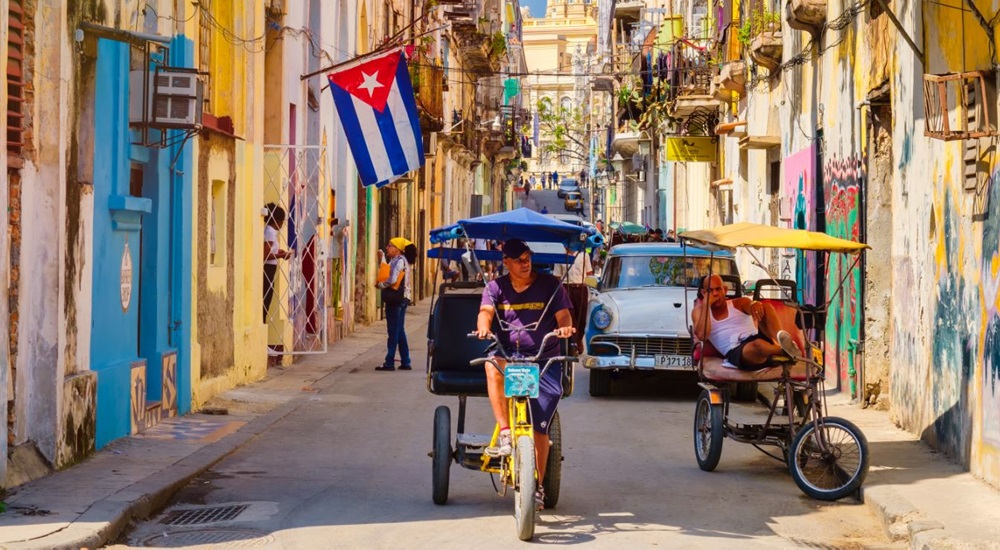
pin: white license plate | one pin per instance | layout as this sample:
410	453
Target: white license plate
671	361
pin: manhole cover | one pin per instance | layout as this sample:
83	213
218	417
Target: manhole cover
218	538
198	516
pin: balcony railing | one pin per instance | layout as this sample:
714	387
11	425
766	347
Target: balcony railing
429	83
691	69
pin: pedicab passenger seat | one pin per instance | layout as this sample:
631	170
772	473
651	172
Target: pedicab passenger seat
713	370
449	372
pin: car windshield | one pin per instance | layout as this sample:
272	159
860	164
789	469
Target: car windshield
655	271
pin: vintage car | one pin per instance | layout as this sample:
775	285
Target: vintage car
637	318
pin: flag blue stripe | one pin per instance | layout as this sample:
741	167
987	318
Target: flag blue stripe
393	148
406	90
355	137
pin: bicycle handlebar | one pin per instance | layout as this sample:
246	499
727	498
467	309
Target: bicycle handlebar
506	357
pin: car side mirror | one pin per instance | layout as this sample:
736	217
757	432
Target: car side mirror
592	281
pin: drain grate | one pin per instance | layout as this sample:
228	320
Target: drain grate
198	516
215	538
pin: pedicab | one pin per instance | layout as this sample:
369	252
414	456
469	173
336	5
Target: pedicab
457	363
827	456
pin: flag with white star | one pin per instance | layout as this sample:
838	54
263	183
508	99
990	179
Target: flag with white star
376	106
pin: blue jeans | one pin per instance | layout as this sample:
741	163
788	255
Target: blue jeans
395	317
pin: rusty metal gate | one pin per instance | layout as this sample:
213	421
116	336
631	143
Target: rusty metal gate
296	182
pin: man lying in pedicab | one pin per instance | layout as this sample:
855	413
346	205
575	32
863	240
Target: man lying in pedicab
747	333
531	305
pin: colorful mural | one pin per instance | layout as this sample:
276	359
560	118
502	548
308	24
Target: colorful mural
954	346
799	205
991	318
842	182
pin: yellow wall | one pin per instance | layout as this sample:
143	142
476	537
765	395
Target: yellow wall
236	75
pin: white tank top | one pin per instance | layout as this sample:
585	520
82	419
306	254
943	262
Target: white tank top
729	332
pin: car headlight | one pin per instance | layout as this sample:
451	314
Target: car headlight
601	318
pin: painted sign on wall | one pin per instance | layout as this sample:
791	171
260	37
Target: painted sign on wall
126	278
692	148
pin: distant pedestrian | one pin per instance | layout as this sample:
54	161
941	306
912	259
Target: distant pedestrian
545	209
527	191
671	236
531	181
272	252
555	178
397	293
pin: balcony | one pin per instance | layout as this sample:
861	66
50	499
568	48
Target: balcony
766	49
428	82
481	43
691	75
733	76
806	15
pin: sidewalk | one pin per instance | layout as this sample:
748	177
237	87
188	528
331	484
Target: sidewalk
92	503
922	498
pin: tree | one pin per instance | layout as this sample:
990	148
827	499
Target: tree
564	130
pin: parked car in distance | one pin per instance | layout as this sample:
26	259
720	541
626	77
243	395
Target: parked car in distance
638	315
573	219
567	185
573	201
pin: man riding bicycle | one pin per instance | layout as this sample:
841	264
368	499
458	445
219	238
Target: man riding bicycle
531	305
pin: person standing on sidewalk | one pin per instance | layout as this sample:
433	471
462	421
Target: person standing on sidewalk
272	252
397	293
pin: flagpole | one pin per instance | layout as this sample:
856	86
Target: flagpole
384	50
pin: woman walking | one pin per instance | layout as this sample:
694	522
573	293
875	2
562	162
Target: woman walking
397	293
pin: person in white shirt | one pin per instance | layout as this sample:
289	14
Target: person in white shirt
272	252
575	283
746	332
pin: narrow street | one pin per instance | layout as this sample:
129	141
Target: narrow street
349	469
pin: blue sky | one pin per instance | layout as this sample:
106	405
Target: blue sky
537	7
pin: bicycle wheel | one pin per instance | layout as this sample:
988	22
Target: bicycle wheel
828	458
524	489
708	432
442	454
553	466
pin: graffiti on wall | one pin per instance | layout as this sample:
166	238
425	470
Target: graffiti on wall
842	184
799	206
955	348
991	318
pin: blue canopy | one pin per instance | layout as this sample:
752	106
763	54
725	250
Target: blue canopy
522	223
538	258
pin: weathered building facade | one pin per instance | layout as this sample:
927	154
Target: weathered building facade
875	123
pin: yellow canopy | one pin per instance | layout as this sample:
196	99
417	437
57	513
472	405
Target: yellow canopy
766	236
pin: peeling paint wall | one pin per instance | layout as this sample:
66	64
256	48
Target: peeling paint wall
945	255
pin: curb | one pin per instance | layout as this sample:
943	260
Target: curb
903	523
110	516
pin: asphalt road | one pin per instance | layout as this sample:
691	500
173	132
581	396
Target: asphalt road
350	469
537	199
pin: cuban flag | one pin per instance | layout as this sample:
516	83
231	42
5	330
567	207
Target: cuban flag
374	99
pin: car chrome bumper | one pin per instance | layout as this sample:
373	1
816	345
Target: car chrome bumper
607	362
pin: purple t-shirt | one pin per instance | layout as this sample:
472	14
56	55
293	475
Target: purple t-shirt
519	309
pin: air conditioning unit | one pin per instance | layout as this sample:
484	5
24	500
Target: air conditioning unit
172	98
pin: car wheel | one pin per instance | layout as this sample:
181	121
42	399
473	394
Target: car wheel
600	383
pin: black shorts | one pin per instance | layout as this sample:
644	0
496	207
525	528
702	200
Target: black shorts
735	355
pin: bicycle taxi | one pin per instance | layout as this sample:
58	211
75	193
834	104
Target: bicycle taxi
827	456
457	363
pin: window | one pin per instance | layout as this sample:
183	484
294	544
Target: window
775	178
205	48
15	78
653	271
217	225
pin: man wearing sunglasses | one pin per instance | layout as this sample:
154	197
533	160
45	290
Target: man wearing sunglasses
530	306
746	332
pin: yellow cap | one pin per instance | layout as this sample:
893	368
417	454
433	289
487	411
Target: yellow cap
400	243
